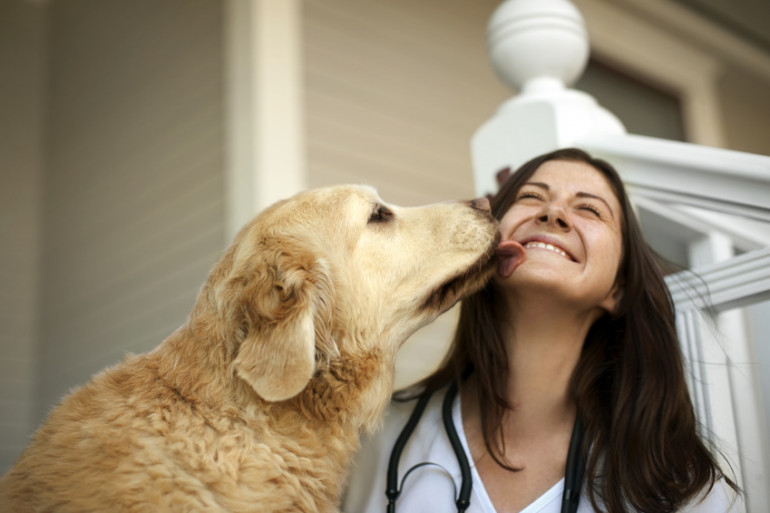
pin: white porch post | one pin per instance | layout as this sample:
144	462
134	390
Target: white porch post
538	47
264	146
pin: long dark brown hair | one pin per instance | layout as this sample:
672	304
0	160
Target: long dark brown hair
643	446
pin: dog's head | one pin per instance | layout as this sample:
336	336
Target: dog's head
336	271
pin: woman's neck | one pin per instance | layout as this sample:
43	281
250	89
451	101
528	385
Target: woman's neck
544	342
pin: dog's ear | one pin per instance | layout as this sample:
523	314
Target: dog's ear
283	309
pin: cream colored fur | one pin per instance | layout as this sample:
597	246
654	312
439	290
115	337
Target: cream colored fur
257	402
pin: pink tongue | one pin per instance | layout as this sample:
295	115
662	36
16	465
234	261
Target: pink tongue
510	255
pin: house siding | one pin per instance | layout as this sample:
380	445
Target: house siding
22	50
133	214
394	91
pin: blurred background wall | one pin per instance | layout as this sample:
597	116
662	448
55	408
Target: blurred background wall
114	136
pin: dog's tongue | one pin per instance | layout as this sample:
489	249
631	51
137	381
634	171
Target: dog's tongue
510	254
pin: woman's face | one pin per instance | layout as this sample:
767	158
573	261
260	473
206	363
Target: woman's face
569	221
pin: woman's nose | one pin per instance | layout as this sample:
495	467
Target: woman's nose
554	215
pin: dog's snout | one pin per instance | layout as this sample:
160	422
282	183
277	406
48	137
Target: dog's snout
481	204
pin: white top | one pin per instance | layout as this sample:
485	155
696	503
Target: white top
432	488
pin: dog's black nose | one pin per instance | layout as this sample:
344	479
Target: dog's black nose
481	204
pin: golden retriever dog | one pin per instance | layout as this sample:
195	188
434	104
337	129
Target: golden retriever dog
257	402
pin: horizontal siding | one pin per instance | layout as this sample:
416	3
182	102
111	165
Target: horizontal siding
134	194
22	53
394	92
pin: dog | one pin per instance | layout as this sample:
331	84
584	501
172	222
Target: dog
257	402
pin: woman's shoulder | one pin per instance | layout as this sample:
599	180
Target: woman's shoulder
367	475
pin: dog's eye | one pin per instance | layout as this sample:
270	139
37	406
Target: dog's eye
381	214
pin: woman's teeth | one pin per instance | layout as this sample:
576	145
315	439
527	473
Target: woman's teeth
549	247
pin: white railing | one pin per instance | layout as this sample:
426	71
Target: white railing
723	375
730	182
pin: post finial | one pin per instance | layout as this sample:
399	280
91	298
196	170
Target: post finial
539	48
537	44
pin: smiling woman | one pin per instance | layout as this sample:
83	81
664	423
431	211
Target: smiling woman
570	349
567	218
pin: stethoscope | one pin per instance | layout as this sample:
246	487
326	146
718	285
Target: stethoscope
572	479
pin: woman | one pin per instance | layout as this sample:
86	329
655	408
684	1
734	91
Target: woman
572	349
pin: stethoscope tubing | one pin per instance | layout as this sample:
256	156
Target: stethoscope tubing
464	499
573	478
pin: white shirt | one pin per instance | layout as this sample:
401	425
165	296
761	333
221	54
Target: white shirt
432	488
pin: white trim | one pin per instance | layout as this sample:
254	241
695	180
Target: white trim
663	57
746	234
740	281
690	223
720	42
690	174
264	144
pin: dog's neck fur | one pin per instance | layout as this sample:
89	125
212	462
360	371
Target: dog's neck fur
345	397
347	389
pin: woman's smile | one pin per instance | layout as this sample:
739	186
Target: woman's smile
546	243
546	246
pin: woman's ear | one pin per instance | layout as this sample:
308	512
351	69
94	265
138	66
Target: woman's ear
614	299
277	354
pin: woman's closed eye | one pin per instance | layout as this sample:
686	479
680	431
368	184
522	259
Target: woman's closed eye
530	195
591	208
